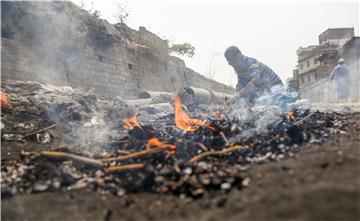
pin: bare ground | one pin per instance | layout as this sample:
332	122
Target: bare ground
321	182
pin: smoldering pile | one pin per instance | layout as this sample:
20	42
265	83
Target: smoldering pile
197	154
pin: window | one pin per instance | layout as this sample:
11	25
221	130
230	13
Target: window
315	76
301	66
307	63
130	66
315	61
309	78
302	79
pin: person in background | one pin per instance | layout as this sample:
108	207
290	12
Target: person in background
254	77
341	76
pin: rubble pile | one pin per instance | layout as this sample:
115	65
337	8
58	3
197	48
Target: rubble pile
113	147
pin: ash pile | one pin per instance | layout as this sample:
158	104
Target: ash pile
62	139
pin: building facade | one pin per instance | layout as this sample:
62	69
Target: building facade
315	63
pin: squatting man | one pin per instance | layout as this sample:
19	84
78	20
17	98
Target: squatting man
254	77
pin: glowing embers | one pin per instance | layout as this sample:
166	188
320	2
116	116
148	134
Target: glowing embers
184	122
291	116
154	142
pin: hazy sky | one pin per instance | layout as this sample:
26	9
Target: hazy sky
270	31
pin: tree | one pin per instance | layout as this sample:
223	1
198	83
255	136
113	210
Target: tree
95	13
184	49
122	13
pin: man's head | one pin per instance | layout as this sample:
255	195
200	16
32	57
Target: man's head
341	61
235	58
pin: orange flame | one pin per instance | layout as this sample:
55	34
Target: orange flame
130	123
154	142
290	115
184	122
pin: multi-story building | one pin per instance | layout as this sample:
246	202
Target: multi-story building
315	62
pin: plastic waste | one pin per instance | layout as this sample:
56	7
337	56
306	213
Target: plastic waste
278	96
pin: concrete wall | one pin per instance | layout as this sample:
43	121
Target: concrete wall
59	43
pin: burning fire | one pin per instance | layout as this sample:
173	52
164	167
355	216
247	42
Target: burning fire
291	116
184	122
131	122
154	142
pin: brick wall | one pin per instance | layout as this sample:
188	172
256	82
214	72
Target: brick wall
59	43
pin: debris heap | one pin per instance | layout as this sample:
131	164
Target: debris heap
68	140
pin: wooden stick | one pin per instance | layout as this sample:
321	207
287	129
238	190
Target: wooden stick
41	130
216	153
305	118
58	155
202	146
128	167
123	152
136	154
224	138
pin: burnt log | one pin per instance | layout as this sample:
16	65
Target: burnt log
157	96
219	97
193	95
139	102
157	108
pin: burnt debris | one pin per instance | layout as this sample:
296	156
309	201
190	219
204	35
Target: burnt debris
187	154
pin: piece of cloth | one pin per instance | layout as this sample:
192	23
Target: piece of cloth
341	76
254	69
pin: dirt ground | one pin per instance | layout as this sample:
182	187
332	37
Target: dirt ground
321	182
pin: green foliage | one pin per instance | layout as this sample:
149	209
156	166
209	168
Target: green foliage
184	49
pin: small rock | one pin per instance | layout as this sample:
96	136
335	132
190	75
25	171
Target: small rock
39	187
225	186
197	192
159	179
56	184
246	181
188	171
121	192
13	137
43	138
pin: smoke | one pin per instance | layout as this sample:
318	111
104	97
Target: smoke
51	39
84	122
266	113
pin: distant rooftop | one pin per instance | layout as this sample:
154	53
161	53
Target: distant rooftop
336	34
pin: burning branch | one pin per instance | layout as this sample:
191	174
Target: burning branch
154	142
216	153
